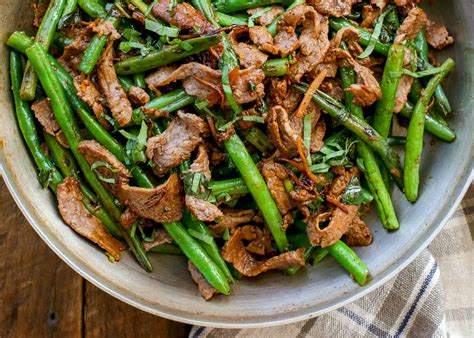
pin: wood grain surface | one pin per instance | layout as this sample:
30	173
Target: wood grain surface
40	296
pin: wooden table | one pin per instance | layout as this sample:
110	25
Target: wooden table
40	296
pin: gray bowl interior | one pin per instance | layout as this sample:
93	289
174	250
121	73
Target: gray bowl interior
274	298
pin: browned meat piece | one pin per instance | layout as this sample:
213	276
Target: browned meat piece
281	93
358	234
201	163
203	210
105	27
204	82
206	289
95	153
138	96
438	36
379	3
402	3
161	237
275	175
78	218
231	219
339	223
89	93
367	89
163	203
39	10
413	23
369	15
335	8
266	18
114	94
176	144
286	42
183	15
283	130
234	252
260	240
241	80
315	50
72	54
249	55
262	38
128	218
404	87
45	116
317	136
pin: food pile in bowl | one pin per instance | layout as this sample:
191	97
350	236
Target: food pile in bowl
247	136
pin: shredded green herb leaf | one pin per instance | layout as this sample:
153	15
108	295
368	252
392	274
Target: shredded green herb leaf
376	33
202	237
160	29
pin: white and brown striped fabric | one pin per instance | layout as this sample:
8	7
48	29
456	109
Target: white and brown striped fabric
432	297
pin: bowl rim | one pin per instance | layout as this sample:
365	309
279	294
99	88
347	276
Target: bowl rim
309	312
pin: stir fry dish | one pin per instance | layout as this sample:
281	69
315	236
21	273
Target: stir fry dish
246	136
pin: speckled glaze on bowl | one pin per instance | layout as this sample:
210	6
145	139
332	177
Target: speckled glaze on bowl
272	299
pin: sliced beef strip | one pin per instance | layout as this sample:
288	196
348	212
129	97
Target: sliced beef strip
81	221
249	55
241	82
161	237
286	42
183	15
201	163
339	223
358	234
231	219
94	152
163	203
260	240
275	175
412	25
317	136
335	8
45	116
234	252
369	15
115	95
266	18
203	210
138	96
403	3
438	36
89	93
105	27
207	290
128	218
176	144
39	10
404	87
262	38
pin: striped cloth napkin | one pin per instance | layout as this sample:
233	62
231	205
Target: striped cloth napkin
431	297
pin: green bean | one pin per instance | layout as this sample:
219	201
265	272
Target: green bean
169	102
93	8
350	261
70	7
139	80
275	67
166	55
371	170
257	138
365	35
421	47
230	6
389	86
415	133
126	83
232	187
26	122
170	249
272	28
361	129
63	114
432	126
396	140
195	253
258	189
94	49
226	20
318	255
205	7
44	36
66	163
211	248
